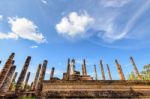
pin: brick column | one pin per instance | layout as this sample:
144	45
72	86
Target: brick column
13	81
6	68
41	78
8	80
68	70
26	81
102	70
36	77
22	75
84	72
52	73
96	78
120	72
109	74
135	69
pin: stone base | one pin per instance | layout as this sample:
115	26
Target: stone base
96	89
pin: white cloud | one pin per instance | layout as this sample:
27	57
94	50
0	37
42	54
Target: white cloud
44	1
130	24
23	28
1	17
8	36
35	46
74	24
26	29
114	3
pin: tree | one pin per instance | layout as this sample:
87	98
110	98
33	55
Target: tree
132	76
146	72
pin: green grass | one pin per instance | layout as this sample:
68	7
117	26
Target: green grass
26	98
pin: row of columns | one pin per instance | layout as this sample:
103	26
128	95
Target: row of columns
8	76
119	69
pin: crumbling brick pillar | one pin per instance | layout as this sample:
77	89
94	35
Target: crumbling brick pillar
26	81
6	68
8	80
109	74
41	78
13	81
84	72
120	72
68	70
135	68
52	73
96	78
19	84
36	77
102	70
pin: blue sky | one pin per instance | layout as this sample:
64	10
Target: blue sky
60	29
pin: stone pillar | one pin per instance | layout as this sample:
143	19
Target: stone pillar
26	81
102	70
6	68
31	86
13	81
36	77
41	78
84	72
68	70
8	80
135	69
52	73
120	72
21	78
73	65
96	78
108	71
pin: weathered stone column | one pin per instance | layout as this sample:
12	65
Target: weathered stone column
6	68
73	65
8	80
135	69
22	75
84	72
102	70
13	81
31	86
52	73
120	72
36	77
41	78
68	70
96	78
26	81
108	71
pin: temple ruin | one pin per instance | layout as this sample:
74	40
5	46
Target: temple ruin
73	84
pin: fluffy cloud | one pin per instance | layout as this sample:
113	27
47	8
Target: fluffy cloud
114	3
74	24
23	28
8	36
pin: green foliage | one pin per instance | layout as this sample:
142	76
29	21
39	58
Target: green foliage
145	73
132	76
